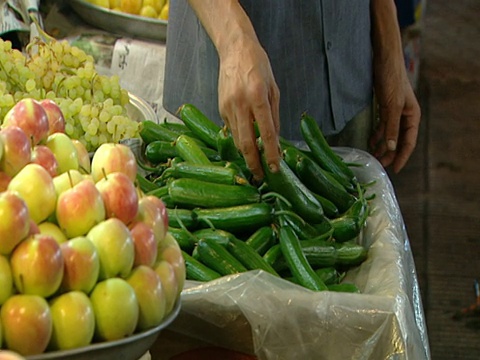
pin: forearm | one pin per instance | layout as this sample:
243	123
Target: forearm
386	37
225	21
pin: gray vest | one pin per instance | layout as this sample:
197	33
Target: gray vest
320	52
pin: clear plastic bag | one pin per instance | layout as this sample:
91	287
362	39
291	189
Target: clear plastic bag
258	313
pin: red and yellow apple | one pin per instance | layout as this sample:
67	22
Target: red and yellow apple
15	224
79	209
64	151
73	321
113	157
27	324
115	248
144	242
119	195
29	115
10	355
169	250
168	278
35	185
150	296
17	150
67	180
37	265
52	229
43	156
116	310
152	211
56	120
81	265
6	280
84	165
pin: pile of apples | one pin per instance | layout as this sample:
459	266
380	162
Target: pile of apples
85	256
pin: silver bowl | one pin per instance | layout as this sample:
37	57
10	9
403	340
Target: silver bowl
120	23
129	348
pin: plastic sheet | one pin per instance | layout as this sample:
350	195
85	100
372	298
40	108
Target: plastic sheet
258	313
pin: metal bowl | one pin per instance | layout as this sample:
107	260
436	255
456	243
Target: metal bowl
129	348
120	23
139	110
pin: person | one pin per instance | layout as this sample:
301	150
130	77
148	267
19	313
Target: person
269	61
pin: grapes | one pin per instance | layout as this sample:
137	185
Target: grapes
93	104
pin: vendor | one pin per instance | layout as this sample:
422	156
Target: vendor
271	60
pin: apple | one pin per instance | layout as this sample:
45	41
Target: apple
10	355
169	250
56	120
29	115
52	229
131	6
84	165
115	247
152	210
67	180
6	280
43	156
73	321
81	265
27	324
144	242
167	276
79	209
37	265
115	306
15	224
17	150
64	151
4	180
113	157
119	196
35	185
150	296
34	229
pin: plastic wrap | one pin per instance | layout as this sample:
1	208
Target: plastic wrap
258	313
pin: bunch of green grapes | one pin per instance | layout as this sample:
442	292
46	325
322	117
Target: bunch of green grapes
94	105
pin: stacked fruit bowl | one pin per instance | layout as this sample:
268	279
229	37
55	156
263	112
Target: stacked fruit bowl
85	256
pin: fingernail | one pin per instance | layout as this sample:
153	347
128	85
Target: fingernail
391	145
273	167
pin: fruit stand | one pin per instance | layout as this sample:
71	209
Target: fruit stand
153	293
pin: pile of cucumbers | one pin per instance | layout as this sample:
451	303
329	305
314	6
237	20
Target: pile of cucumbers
301	223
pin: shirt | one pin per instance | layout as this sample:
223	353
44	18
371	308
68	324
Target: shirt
320	52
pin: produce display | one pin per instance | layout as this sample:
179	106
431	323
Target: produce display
93	105
85	256
157	9
303	223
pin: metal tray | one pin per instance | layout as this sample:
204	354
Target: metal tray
129	348
120	23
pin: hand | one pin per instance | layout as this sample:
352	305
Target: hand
248	92
395	138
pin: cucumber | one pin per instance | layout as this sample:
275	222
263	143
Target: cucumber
151	131
195	270
262	239
226	146
178	217
203	128
183	238
248	256
159	151
189	150
211	173
191	193
322	152
297	262
236	219
220	236
217	257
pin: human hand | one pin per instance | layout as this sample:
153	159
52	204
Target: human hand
248	93
395	138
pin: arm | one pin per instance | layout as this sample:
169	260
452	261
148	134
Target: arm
247	90
396	137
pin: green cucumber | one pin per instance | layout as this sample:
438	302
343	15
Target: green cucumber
248	256
189	150
191	193
236	219
151	131
195	270
211	173
203	128
262	239
217	257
